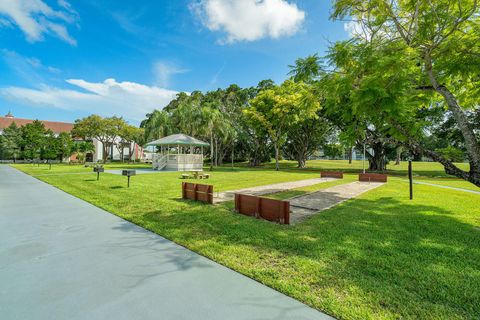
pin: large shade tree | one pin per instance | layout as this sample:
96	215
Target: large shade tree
129	136
280	108
436	42
310	134
105	130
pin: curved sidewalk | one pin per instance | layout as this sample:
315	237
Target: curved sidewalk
63	258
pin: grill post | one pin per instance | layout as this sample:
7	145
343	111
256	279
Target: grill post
128	173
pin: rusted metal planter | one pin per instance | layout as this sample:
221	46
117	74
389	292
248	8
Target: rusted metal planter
372	177
264	208
331	174
197	192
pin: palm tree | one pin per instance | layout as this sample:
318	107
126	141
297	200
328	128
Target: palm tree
211	120
157	125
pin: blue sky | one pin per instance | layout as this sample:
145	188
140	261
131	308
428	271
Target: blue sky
61	60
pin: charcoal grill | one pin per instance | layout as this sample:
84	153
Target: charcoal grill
129	173
98	170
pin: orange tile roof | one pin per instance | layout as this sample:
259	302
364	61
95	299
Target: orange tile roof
56	127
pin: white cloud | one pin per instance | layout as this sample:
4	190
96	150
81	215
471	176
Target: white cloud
164	70
128	99
249	20
35	18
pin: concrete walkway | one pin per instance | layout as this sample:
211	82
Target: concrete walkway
302	207
62	258
270	188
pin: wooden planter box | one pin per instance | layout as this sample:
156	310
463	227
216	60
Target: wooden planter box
372	177
268	209
331	174
197	192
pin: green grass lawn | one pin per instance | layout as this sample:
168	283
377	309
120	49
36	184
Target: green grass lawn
380	256
428	169
430	172
45	169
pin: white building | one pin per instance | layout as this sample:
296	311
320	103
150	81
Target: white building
59	127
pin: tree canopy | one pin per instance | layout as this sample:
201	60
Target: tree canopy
406	58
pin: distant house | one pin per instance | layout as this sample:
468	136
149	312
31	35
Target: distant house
59	127
55	126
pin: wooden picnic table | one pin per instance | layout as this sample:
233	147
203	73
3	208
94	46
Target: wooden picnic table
195	175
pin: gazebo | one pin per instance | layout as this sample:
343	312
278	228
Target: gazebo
178	152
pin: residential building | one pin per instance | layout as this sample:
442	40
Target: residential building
59	127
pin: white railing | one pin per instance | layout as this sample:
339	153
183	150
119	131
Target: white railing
177	161
185	158
159	161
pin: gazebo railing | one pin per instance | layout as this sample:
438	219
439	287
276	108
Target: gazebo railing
159	161
185	158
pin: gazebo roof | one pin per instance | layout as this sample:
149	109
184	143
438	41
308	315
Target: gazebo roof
178	139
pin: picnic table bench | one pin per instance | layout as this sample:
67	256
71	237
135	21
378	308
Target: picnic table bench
195	175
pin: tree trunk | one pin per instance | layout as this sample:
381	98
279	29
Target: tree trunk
104	149
277	166
449	166
377	160
216	152
350	155
211	152
302	157
471	143
399	153
301	162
